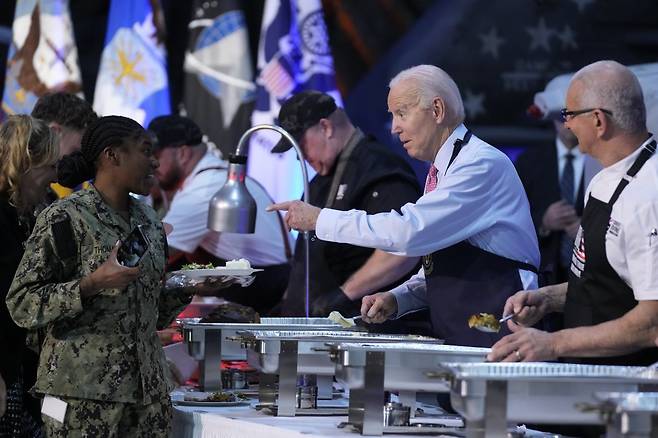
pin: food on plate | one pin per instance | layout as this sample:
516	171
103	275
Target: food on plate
220	396
485	322
238	264
194	266
339	319
232	312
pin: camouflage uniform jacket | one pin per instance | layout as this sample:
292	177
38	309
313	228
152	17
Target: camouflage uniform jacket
103	347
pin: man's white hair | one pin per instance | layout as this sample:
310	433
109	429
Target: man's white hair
429	82
612	86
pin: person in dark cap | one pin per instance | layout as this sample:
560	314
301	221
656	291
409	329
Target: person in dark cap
354	171
194	172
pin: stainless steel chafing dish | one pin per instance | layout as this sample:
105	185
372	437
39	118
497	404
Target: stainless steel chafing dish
632	414
489	395
291	353
368	369
206	342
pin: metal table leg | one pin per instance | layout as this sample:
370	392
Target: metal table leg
210	377
325	387
495	409
355	410
287	401
266	389
373	394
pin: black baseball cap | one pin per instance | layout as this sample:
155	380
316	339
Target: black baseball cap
302	111
174	130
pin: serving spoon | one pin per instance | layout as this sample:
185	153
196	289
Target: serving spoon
339	319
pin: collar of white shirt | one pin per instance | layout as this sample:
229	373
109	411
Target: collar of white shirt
622	166
442	159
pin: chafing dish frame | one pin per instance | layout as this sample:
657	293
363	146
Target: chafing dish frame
488	395
289	354
370	369
631	414
206	342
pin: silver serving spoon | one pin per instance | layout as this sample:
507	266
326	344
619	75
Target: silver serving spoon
486	329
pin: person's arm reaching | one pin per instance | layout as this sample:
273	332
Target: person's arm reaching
406	233
380	270
637	329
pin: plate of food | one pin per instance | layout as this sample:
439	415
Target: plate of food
233	268
219	399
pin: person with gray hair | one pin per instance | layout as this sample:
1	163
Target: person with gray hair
472	226
610	302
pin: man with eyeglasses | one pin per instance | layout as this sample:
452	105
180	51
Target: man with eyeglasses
472	226
610	302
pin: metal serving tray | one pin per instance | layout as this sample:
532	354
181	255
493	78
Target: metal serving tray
368	369
265	346
489	395
291	353
632	414
206	341
405	364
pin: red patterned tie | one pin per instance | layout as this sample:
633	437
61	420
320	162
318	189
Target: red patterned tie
432	179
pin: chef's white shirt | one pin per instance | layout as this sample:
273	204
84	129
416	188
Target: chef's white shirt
631	241
188	214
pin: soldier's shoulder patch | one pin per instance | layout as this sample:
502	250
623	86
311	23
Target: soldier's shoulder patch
63	235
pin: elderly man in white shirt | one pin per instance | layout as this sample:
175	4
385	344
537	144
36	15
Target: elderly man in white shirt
610	302
472	226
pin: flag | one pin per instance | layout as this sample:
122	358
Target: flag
42	55
219	87
293	55
132	76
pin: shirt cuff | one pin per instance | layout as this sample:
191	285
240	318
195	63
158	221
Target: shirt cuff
646	295
325	226
403	298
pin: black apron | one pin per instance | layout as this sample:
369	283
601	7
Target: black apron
599	294
463	280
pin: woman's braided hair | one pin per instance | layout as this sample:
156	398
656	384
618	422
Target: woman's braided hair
80	166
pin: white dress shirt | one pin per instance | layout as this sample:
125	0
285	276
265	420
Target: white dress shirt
479	198
189	216
631	242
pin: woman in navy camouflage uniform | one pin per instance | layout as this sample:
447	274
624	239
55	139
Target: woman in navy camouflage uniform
28	152
101	354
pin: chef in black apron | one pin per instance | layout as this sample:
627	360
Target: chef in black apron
604	321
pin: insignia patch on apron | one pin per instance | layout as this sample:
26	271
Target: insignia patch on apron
579	257
341	192
428	264
614	227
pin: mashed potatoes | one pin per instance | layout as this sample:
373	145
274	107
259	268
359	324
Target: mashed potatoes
238	264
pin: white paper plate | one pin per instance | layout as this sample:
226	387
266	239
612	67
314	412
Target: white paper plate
221	271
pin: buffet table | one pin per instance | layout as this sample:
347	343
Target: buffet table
245	421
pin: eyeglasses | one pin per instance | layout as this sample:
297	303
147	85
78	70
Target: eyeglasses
564	114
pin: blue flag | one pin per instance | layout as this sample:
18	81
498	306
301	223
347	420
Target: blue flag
294	55
132	77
